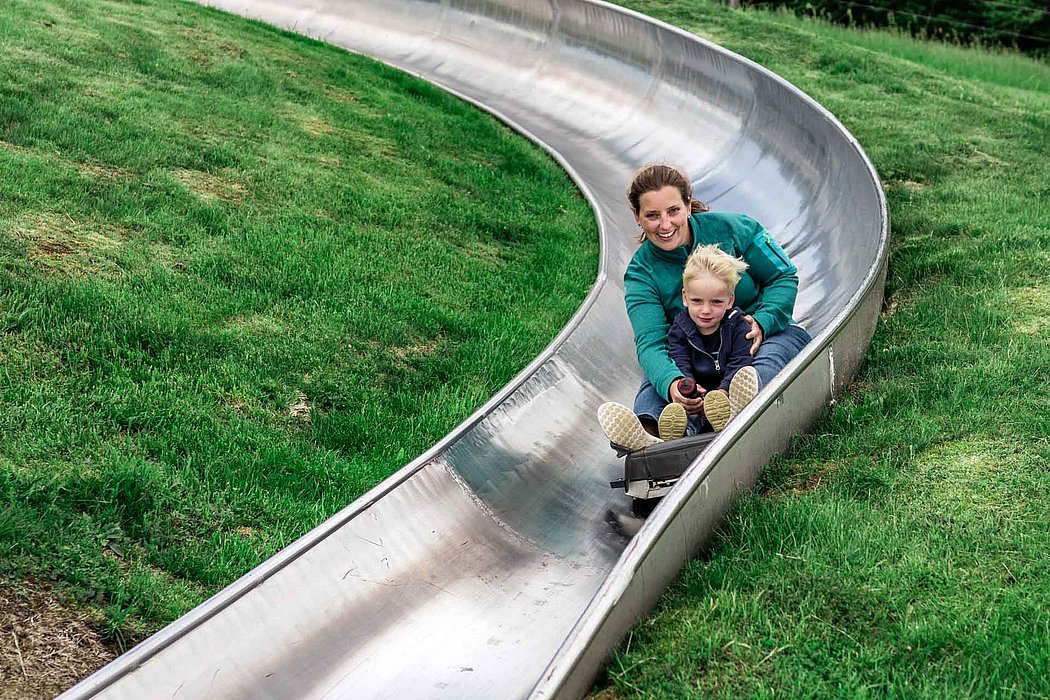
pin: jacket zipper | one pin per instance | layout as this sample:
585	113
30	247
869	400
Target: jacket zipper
714	358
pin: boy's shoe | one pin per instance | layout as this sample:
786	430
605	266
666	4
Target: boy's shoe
716	409
742	389
673	421
622	427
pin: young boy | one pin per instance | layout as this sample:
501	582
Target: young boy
707	342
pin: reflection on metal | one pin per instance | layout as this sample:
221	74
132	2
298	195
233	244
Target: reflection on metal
485	568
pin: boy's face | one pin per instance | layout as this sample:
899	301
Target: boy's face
707	299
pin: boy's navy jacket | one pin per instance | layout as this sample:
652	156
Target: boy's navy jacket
711	371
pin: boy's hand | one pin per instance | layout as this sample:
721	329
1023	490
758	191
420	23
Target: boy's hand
754	335
692	406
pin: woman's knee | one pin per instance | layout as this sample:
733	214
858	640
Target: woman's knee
648	403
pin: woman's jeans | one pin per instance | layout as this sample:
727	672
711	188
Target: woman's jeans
773	355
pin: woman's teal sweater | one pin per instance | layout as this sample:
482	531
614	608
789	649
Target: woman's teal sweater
653	286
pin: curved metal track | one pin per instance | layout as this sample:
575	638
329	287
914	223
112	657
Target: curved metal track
485	568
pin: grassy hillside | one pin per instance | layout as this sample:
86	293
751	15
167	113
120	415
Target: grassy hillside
243	277
903	548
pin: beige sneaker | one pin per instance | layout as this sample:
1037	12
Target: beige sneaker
673	421
742	389
623	428
716	409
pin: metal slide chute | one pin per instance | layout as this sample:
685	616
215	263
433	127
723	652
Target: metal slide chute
485	567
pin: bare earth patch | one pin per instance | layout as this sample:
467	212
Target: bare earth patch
63	244
809	476
889	309
980	158
315	126
260	325
910	185
300	408
45	646
969	480
209	187
330	160
1031	309
340	94
422	348
102	172
306	119
400	355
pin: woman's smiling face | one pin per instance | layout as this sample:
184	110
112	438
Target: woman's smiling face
664	218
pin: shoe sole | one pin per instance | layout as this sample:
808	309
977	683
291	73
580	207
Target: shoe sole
622	427
742	389
672	422
716	409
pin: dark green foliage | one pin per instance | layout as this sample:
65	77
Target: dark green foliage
1020	24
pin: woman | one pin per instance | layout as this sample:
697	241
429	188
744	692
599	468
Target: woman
672	225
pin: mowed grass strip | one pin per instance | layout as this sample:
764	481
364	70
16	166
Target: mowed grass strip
903	548
243	277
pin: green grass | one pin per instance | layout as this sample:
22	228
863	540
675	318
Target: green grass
903	548
996	66
243	277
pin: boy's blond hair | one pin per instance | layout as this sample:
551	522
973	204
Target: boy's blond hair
713	260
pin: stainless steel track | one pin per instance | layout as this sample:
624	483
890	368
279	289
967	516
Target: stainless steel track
484	568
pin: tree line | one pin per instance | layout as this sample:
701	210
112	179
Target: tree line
1023	25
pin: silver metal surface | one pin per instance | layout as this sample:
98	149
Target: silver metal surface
485	568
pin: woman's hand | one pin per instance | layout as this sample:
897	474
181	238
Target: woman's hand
754	335
692	406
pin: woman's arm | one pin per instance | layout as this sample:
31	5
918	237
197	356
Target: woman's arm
774	274
678	349
649	322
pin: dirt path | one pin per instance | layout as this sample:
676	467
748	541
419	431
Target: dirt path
45	645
